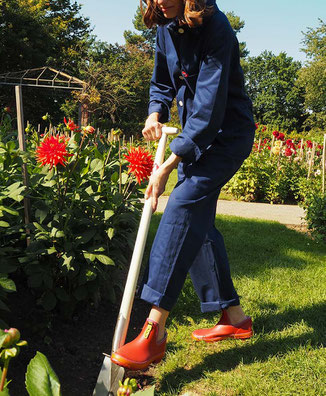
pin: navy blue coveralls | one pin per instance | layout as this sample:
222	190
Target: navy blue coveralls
201	68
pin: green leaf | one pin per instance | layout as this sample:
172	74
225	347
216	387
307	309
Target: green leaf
89	256
62	294
108	214
49	301
86	236
115	177
67	261
39	227
14	186
110	233
9	210
7	284
14	191
3	306
41	378
104	259
124	178
4	224
3	336
41	214
96	165
55	233
51	250
148	392
49	183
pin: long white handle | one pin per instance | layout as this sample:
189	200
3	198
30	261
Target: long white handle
130	288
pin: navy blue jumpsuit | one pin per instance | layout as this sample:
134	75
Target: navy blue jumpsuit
201	68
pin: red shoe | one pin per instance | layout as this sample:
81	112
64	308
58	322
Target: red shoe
143	350
224	330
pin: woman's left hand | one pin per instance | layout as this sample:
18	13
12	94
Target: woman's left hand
156	185
159	178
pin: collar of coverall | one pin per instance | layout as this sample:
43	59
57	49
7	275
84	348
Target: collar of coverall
173	26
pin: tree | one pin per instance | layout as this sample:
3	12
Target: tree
237	25
36	33
313	77
145	39
118	78
271	84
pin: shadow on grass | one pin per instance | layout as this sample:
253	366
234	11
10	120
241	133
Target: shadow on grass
253	246
258	350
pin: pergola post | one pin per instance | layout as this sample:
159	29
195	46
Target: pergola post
22	147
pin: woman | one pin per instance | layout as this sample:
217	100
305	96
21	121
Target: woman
196	61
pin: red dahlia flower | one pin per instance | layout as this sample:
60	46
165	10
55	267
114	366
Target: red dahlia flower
288	152
281	136
141	163
309	143
71	125
52	151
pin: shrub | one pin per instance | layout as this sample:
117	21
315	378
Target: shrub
315	206
84	209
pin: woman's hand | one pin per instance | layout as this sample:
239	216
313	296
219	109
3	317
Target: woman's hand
159	178
156	186
153	128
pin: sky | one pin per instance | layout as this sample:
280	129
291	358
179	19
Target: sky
269	25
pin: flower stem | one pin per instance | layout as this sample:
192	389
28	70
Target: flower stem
74	166
4	374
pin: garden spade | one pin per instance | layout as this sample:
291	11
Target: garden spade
110	374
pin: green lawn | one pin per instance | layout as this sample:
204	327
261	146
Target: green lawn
281	276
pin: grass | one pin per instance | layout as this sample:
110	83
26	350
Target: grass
281	277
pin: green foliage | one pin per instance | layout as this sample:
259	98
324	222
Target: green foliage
312	77
148	392
145	39
41	378
82	220
271	84
315	206
41	33
118	87
237	25
273	177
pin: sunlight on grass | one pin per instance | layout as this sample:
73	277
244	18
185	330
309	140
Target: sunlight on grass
280	275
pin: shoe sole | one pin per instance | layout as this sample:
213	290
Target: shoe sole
241	336
120	361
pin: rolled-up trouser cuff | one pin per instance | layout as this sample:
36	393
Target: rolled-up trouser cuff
218	305
154	297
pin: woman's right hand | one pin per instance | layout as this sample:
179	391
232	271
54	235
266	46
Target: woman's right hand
153	128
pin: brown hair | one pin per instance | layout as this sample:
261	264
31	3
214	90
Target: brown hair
194	12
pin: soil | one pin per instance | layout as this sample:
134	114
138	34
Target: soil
73	347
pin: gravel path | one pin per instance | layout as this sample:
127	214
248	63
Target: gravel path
284	214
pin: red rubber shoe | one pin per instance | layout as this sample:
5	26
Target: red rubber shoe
224	330
143	350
